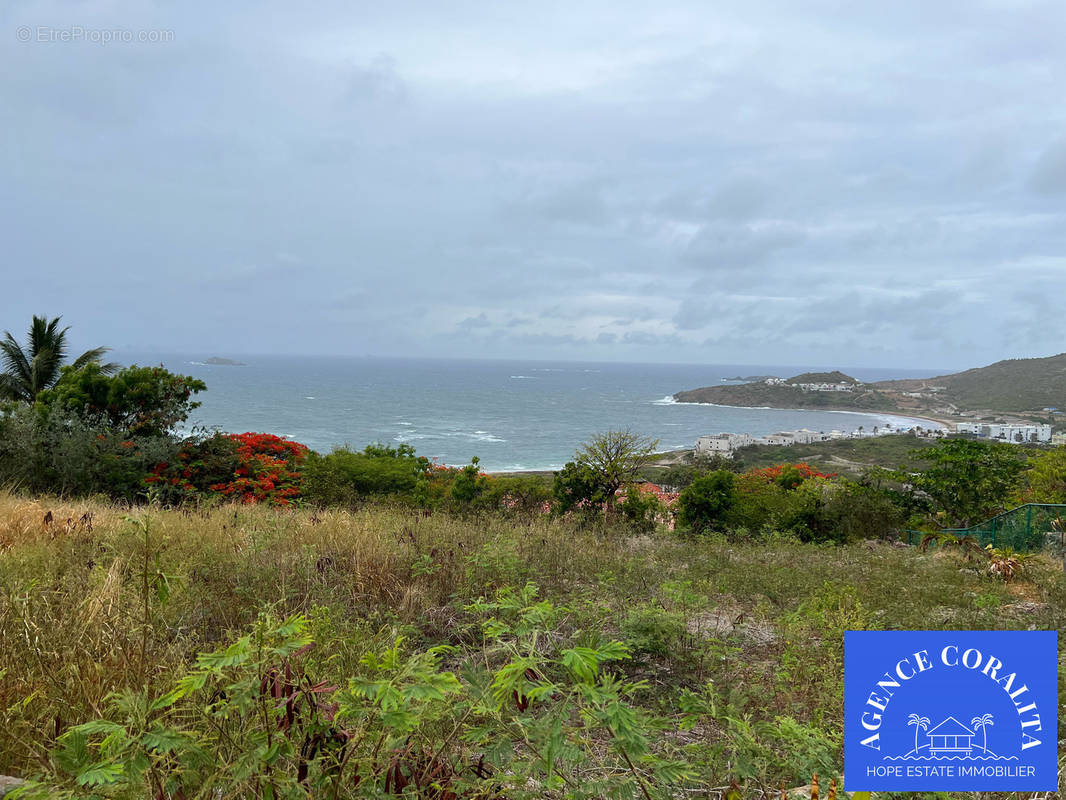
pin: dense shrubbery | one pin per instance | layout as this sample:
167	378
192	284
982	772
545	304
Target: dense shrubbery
344	477
143	401
788	498
44	451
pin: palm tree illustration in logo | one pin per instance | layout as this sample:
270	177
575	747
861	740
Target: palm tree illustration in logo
982	722
920	724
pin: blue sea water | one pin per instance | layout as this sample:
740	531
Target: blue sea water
519	415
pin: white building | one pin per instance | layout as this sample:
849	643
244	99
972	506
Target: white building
724	443
780	438
825	387
1006	432
806	436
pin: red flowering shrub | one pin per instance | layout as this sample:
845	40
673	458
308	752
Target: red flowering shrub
249	467
789	476
268	469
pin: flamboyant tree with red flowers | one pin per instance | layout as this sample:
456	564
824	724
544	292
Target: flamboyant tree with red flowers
268	469
247	467
789	476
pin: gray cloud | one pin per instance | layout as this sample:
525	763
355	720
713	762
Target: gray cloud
768	183
1049	175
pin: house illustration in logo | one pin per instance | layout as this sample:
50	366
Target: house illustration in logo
950	738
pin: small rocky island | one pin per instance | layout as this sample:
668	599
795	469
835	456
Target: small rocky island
215	361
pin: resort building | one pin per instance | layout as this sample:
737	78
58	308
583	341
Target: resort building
724	443
1007	432
825	387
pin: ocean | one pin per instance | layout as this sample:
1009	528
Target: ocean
513	415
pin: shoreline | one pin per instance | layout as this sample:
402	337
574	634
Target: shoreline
947	425
668	456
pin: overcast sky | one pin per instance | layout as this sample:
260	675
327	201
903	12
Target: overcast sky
872	183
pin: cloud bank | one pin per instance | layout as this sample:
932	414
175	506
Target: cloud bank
742	182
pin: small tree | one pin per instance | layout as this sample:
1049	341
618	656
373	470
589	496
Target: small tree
706	502
968	480
601	467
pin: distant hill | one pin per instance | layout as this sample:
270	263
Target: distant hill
1017	384
836	376
781	396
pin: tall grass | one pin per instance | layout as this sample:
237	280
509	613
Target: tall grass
95	599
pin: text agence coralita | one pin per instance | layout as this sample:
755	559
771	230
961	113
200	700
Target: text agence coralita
906	669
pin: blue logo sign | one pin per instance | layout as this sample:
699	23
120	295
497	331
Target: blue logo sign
951	711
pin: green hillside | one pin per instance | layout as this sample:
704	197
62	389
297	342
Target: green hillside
762	394
1020	385
836	376
1017	384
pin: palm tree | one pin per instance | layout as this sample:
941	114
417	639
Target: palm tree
983	722
919	723
29	371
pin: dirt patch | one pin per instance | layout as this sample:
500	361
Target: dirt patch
729	620
1026	593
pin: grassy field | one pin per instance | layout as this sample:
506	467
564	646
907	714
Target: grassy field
735	649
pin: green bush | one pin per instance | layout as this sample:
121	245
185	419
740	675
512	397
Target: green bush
853	511
707	502
345	477
518	494
44	450
651	630
641	510
468	486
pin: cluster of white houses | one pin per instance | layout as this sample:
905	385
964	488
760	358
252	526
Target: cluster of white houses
726	443
814	387
1004	432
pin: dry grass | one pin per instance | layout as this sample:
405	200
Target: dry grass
75	625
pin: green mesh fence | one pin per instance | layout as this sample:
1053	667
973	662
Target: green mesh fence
1029	527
